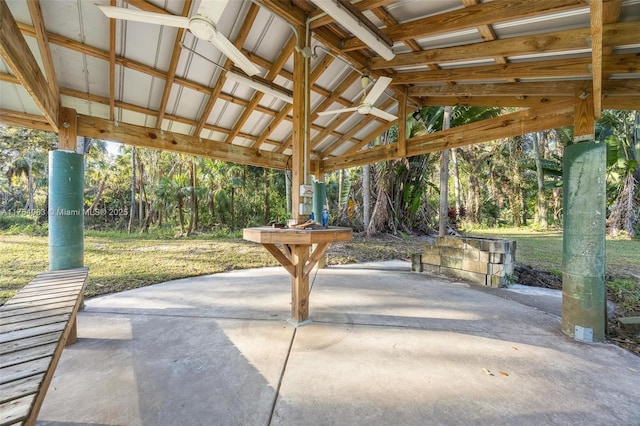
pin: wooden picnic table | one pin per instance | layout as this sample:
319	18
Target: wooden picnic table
291	247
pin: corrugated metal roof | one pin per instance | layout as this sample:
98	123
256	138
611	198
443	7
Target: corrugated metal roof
80	42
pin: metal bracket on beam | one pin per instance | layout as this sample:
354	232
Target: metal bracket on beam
587	137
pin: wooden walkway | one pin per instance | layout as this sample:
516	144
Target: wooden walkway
35	326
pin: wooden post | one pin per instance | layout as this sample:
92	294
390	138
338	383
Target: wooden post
68	135
301	122
299	284
402	124
584	307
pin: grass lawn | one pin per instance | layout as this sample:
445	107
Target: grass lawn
126	262
120	262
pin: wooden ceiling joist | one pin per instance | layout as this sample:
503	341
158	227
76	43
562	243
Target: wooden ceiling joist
553	69
469	17
616	34
173	65
16	53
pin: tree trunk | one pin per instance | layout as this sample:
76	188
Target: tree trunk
266	207
443	211
192	197
140	190
457	186
133	189
340	186
98	195
541	204
366	196
30	182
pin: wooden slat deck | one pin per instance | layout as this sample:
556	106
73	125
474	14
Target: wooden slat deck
35	325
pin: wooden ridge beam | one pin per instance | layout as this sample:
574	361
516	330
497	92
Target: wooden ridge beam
508	125
16	53
130	134
468	17
614	34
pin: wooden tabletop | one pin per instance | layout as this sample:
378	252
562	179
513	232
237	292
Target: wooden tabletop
270	235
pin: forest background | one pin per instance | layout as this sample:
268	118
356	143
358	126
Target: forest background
515	182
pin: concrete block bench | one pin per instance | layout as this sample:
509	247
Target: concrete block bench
35	326
485	261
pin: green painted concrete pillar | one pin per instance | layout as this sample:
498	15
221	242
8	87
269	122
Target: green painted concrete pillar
584	306
319	200
66	210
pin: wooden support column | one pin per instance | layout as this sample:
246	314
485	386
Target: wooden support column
300	142
595	9
402	124
68	134
584	307
299	284
66	198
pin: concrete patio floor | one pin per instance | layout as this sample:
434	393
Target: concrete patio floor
385	346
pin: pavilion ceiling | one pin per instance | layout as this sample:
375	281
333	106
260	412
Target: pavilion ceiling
157	86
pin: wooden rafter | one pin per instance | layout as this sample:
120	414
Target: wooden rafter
242	36
346	82
280	117
43	43
469	17
16	53
112	66
255	99
154	72
173	65
361	125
